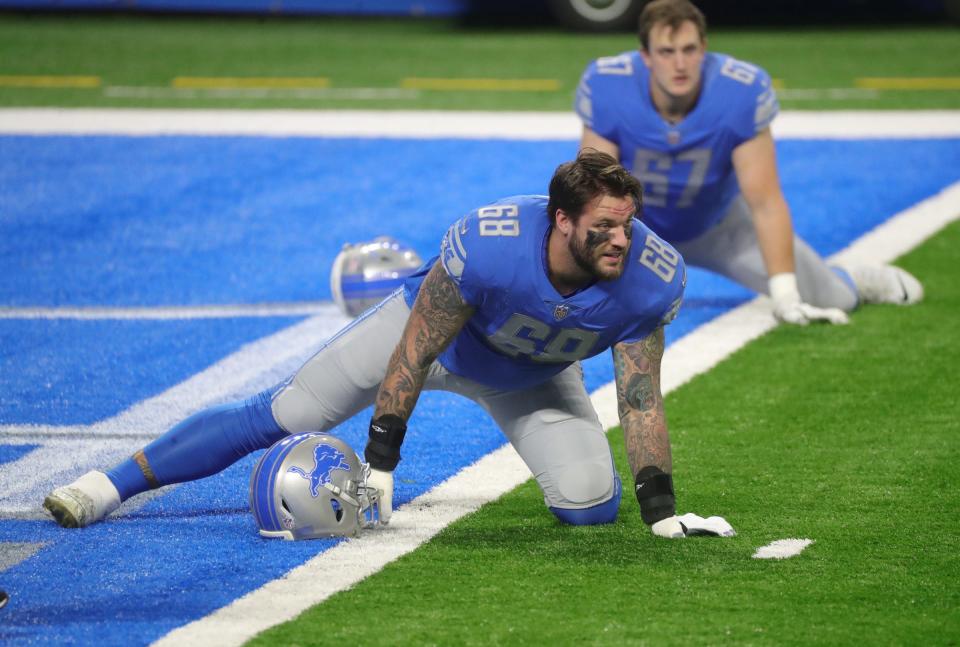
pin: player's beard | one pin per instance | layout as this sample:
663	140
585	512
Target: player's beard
587	255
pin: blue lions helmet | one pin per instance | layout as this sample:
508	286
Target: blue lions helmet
312	485
365	273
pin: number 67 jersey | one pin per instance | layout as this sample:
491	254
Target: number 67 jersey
686	168
523	331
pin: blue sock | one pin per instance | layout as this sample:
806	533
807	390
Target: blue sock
202	445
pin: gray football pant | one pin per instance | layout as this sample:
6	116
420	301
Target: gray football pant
731	248
553	426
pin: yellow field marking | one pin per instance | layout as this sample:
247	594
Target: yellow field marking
777	84
49	81
910	83
509	85
232	82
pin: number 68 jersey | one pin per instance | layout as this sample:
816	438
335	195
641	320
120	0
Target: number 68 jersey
523	331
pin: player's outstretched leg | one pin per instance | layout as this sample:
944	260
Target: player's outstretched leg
885	284
203	444
340	380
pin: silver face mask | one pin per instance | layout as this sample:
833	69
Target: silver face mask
366	273
312	485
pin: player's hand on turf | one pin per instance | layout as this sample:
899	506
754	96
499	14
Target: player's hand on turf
801	314
383	481
789	308
692	525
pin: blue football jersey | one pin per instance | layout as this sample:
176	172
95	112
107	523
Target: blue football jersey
686	168
523	331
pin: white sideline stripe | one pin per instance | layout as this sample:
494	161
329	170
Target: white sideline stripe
501	471
433	124
215	311
782	549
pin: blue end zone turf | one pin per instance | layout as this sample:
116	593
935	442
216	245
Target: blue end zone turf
153	221
78	372
10	453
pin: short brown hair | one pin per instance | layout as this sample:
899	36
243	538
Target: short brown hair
672	13
592	174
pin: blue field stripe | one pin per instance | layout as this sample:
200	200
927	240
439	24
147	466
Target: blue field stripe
194	220
10	453
78	371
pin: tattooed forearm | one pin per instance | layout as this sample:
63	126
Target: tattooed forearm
437	316
640	403
647	440
639	393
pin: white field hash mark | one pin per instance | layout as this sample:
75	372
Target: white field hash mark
502	470
782	549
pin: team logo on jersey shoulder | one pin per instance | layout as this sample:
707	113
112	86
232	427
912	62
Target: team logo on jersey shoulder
561	311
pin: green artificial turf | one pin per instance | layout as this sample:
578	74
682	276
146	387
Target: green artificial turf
844	435
130	53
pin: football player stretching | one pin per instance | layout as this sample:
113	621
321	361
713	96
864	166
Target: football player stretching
694	128
521	291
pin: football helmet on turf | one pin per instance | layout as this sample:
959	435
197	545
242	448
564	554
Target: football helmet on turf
365	273
312	485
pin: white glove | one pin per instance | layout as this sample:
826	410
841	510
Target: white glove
383	481
691	525
669	528
788	307
712	526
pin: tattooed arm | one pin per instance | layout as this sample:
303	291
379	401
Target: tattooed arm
438	315
640	403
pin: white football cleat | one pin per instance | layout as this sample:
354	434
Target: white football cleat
886	284
85	501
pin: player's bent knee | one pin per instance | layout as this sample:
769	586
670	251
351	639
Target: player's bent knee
583	483
600	513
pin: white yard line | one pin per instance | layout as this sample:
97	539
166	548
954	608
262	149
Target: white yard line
432	124
501	471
